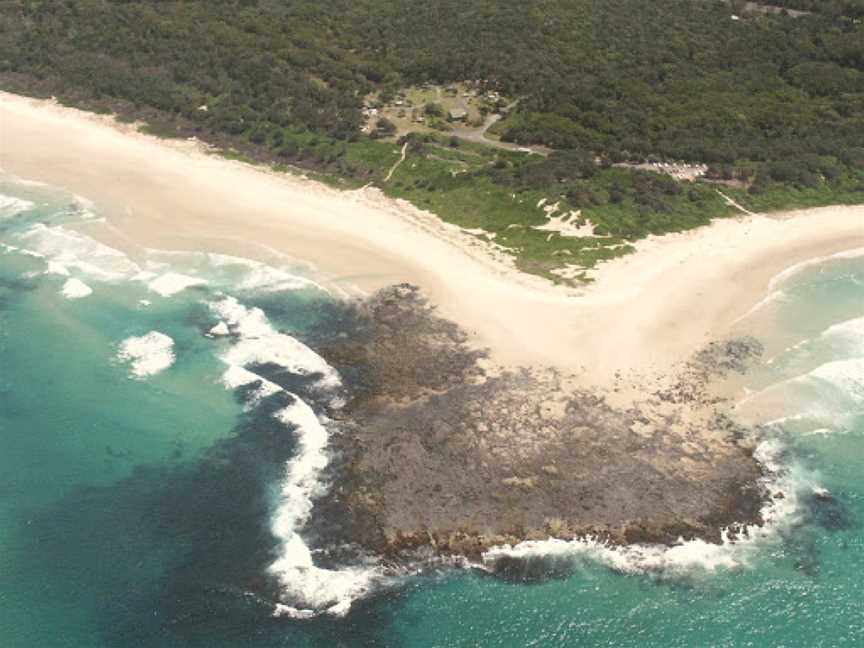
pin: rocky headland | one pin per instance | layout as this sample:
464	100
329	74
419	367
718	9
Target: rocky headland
439	449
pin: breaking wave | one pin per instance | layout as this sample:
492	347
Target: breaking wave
260	277
10	206
809	263
845	378
851	332
829	396
306	590
775	294
67	250
238	273
784	487
258	343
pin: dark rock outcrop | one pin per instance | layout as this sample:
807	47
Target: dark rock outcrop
436	451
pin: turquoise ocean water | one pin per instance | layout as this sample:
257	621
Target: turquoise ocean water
163	427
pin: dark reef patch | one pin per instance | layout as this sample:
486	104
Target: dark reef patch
831	512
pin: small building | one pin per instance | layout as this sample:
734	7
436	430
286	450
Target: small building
458	114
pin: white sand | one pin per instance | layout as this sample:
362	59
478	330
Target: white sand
645	313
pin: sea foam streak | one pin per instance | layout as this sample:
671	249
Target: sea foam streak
780	512
148	354
307	590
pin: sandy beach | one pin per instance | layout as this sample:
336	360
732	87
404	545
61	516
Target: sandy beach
644	314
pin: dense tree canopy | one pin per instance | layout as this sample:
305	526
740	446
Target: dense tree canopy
675	78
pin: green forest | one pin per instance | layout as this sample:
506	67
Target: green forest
772	104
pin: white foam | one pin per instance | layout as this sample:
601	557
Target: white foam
237	272
235	377
262	277
148	354
144	276
737	549
76	251
853	326
259	343
85	208
845	375
823	432
76	289
219	330
308	590
830	395
57	269
172	283
9	205
850	332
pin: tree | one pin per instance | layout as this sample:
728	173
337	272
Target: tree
385	127
433	109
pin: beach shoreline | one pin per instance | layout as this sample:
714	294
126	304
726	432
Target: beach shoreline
644	315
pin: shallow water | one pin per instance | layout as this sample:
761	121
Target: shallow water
154	487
